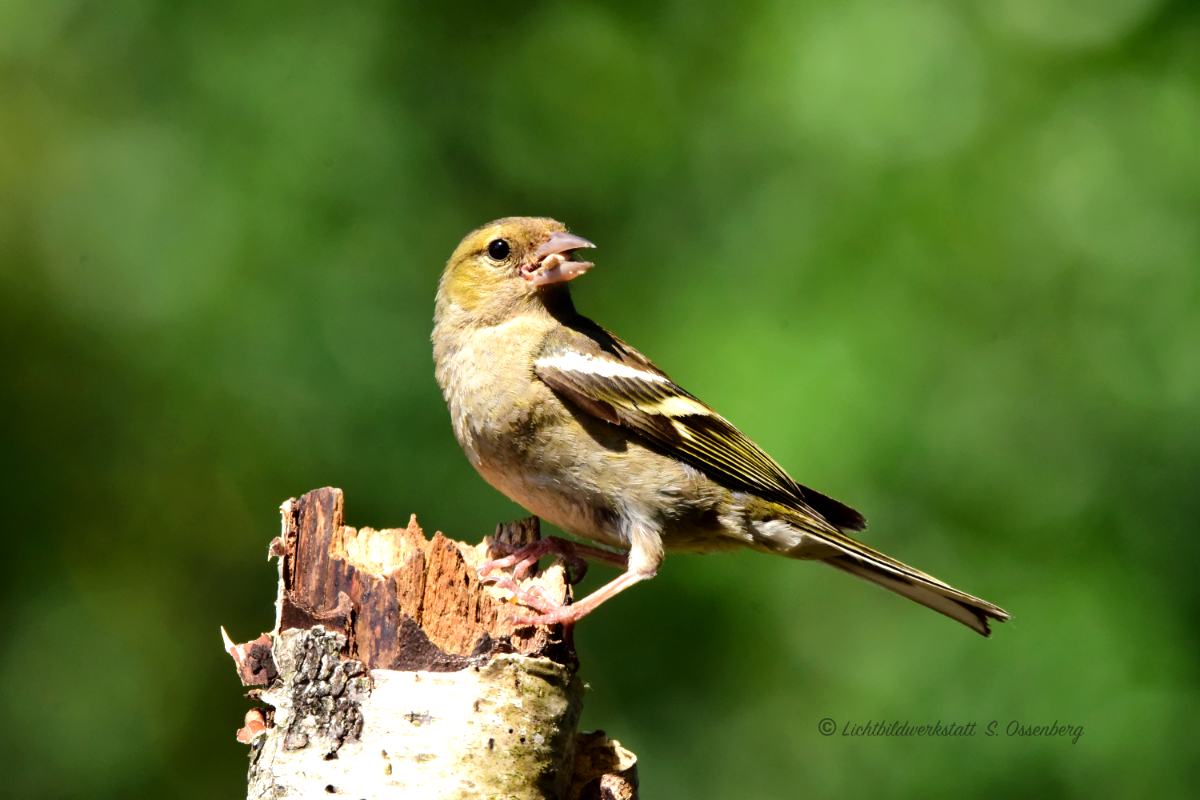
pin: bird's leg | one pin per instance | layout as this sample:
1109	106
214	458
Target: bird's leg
642	562
534	599
521	559
569	615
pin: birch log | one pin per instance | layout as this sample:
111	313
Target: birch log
393	671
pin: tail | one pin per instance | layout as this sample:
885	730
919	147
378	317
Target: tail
858	559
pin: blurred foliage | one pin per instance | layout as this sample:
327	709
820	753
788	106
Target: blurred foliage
939	258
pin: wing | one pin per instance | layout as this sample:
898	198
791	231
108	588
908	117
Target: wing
610	380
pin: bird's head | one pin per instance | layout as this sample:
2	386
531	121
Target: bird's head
510	264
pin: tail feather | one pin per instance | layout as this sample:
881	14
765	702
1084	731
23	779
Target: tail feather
860	560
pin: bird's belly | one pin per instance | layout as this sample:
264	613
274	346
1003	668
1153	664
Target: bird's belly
575	509
597	483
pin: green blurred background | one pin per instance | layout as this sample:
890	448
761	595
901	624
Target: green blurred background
940	259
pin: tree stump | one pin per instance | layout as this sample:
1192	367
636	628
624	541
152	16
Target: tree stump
394	671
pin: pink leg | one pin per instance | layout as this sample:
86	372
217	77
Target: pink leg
535	601
569	615
522	559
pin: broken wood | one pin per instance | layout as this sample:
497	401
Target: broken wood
392	669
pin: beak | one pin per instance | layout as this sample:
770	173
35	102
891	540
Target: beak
553	264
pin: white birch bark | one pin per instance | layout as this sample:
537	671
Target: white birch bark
505	729
461	715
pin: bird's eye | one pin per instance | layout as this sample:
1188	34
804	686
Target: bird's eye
498	249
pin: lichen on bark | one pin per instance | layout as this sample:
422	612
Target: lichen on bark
394	671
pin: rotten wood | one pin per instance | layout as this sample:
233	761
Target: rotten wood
386	576
488	708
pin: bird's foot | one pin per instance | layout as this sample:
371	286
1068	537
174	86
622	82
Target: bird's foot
533	597
569	615
523	559
566	615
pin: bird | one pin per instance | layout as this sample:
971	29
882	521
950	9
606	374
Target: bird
588	434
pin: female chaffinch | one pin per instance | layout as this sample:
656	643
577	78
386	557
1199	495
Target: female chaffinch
584	431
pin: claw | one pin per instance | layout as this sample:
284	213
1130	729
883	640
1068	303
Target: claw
574	555
527	598
526	557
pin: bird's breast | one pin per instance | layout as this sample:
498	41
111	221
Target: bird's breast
518	434
486	376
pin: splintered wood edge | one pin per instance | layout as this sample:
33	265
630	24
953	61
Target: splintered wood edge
384	552
603	767
378	552
396	573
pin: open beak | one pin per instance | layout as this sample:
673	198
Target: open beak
554	264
